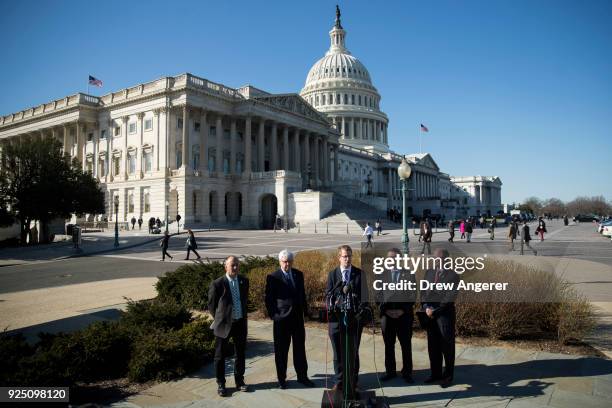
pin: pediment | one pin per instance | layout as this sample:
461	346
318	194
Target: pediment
294	103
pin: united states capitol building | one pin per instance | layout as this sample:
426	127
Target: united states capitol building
227	156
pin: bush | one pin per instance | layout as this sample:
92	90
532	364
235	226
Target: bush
257	288
537	304
188	285
163	314
13	348
161	354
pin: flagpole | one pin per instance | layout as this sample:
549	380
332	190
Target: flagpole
420	141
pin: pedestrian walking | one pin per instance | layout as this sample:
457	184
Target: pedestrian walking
421	230
191	244
512	234
462	229
158	223
151	224
164	246
565	220
492	227
427	234
468	231
526	238
451	231
368	232
139	223
541	229
133	221
378	226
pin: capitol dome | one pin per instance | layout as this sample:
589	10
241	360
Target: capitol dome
340	86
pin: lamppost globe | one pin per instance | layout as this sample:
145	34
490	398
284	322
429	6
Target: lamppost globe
404	171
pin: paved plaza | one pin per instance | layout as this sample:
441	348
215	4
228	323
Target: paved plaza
52	288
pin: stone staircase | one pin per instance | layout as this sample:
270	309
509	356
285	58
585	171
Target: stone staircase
347	216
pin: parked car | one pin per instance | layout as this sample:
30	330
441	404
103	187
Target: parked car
601	225
585	218
607	231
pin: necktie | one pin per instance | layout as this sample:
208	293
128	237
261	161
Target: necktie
345	276
289	279
395	276
437	276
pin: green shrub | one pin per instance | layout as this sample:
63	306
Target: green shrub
188	285
163	314
13	348
165	354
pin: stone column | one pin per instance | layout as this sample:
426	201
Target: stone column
96	141
274	147
336	169
358	135
325	162
297	152
247	149
66	147
316	162
286	148
352	128
233	136
390	184
140	130
261	145
185	150
219	155
156	149
307	160
125	146
344	135
204	128
80	145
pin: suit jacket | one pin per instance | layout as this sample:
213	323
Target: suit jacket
396	299
334	287
220	303
282	298
442	301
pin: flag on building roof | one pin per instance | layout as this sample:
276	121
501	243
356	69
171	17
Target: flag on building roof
424	128
96	82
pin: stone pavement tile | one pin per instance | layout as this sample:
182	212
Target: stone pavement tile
568	399
580	385
602	388
487	355
527	403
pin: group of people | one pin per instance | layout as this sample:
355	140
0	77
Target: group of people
286	305
191	244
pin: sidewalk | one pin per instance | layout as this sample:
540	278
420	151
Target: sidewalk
92	243
484	377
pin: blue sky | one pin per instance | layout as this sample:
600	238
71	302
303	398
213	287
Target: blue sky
518	89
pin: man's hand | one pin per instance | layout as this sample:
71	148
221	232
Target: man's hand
394	313
429	312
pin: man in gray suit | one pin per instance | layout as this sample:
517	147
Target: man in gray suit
227	302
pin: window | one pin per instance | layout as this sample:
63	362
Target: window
131	203
213	131
116	166
196	158
132	127
323	99
103	134
317	100
196	126
147	202
148	124
226	165
179	123
117	130
359	100
352	99
72	132
132	163
179	155
345	99
89	166
337	99
90	137
148	159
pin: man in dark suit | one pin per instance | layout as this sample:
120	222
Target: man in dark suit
227	302
345	276
396	319
439	307
286	306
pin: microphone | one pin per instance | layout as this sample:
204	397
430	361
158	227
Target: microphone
336	286
347	288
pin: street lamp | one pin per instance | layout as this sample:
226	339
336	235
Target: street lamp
116	221
404	172
167	205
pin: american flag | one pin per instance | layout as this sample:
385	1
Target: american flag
424	128
96	82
